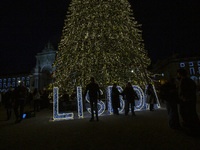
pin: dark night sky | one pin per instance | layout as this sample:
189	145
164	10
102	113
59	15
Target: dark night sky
27	25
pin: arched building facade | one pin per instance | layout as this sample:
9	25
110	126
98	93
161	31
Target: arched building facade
43	68
39	77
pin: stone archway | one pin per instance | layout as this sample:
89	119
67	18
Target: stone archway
46	76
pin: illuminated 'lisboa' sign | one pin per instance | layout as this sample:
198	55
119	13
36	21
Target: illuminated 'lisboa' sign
140	103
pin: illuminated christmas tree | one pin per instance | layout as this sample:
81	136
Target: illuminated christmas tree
100	38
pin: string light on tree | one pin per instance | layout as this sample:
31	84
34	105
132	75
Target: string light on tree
101	39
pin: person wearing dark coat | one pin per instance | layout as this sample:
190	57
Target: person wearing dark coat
9	101
115	99
151	97
187	95
20	98
129	95
169	93
94	92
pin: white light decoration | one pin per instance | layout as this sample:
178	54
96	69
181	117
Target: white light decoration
79	102
56	114
192	71
101	104
190	64
198	63
182	65
122	103
139	105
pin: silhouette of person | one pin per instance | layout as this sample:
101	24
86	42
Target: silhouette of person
9	101
151	98
20	98
115	99
129	95
187	95
94	92
169	93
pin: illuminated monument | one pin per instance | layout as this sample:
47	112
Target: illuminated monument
38	78
43	69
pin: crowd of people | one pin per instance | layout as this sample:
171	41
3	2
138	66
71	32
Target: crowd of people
179	95
129	95
15	100
180	98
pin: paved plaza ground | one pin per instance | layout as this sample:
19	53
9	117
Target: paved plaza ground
147	131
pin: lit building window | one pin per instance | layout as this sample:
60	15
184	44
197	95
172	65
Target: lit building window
199	70
182	65
18	78
8	84
9	79
23	78
13	84
192	72
4	85
4	80
13	79
198	63
190	64
27	83
27	78
0	80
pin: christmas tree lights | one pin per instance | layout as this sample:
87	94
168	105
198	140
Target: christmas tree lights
100	38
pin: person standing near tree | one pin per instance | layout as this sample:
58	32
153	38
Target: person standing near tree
115	99
130	96
93	89
151	97
9	101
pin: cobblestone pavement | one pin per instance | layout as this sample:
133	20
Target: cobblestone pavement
147	131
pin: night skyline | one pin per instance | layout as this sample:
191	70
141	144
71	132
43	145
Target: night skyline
27	26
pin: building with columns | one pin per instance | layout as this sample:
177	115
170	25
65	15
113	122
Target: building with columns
43	68
169	66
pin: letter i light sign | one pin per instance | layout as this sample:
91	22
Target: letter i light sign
140	103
